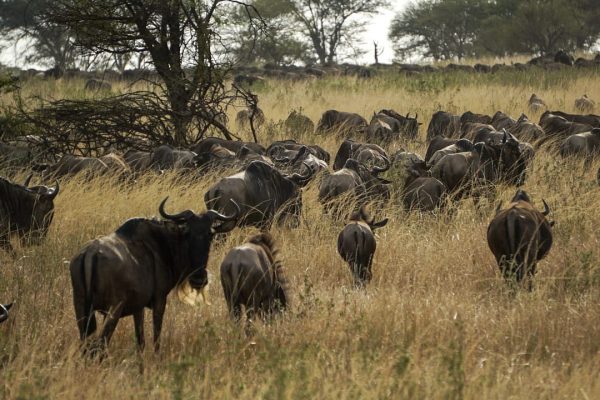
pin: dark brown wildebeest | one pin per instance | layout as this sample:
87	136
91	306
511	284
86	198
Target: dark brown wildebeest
477	118
262	192
166	157
585	144
297	124
563	57
350	149
340	122
461	145
205	145
443	124
354	179
242	119
252	276
503	121
423	193
519	237
387	126
356	245
296	161
527	130
25	211
138	161
471	130
438	143
559	128
138	265
590	119
95	85
536	104
4	308
290	148
585	104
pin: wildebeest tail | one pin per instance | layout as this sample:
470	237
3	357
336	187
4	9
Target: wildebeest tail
279	277
89	265
512	229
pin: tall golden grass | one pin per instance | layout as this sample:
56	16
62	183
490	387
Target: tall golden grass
437	321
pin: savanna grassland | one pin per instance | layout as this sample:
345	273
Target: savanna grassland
437	321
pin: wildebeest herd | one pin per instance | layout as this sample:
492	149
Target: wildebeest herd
139	264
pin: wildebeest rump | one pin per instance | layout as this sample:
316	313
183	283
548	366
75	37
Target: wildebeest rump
350	149
205	145
586	144
262	192
340	122
138	265
443	124
25	211
356	245
252	276
519	237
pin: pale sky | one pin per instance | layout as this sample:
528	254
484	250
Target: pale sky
377	29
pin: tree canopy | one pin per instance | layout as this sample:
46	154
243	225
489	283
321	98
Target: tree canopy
447	29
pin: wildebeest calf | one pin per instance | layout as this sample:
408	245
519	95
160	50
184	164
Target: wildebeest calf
356	245
253	277
519	237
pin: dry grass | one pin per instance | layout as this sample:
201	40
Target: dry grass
436	322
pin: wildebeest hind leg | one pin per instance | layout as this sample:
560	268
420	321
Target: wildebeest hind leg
110	324
138	320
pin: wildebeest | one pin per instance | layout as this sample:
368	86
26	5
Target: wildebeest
349	148
296	161
443	124
138	161
90	166
438	143
138	265
4	308
356	245
586	144
589	119
387	126
205	145
297	124
354	179
558	127
243	117
585	104
423	193
167	157
340	122
563	57
519	237
459	146
289	149
526	130
473	117
262	192
97	85
473	130
252	276
501	121
536	104
25	211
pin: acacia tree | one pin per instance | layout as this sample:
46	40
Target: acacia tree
22	19
331	24
181	38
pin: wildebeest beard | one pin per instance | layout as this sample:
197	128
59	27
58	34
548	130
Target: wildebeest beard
23	211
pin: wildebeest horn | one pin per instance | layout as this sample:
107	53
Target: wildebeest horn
407	114
54	192
27	180
498	207
377	169
417	116
177	217
546	208
296	177
4	312
234	216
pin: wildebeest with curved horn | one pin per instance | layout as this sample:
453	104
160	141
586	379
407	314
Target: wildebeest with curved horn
4	308
519	237
349	148
252	276
25	211
138	265
356	245
262	192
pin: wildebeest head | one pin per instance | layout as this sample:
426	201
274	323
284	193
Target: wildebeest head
363	215
4	308
512	161
198	231
464	145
